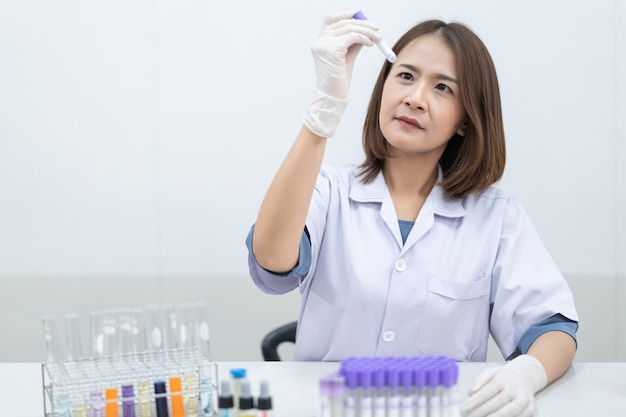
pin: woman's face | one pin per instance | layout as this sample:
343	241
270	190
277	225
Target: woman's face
421	106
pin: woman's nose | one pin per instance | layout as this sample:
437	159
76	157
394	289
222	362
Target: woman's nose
416	98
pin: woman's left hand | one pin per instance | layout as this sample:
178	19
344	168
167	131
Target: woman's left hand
506	391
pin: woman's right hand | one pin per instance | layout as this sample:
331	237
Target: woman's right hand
334	53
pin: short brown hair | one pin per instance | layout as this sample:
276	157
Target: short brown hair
472	162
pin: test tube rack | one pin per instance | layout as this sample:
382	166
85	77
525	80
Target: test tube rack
173	383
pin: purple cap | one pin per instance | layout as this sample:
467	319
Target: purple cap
324	386
419	375
359	16
365	377
406	378
432	377
445	374
351	377
337	386
392	378
379	378
128	391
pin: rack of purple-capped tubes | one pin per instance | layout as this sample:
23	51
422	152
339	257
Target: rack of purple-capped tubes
421	386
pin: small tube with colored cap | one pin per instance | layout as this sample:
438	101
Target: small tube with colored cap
382	45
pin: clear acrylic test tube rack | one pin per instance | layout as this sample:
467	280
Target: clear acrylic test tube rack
124	386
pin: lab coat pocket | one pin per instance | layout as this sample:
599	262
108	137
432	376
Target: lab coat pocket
455	321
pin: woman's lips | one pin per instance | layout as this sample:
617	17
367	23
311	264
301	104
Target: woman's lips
409	122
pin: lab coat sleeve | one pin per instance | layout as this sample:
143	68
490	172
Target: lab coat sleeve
527	286
273	283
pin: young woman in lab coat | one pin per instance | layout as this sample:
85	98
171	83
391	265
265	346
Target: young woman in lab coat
414	252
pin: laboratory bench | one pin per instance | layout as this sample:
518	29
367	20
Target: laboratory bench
587	389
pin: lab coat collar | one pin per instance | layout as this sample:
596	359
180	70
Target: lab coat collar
375	192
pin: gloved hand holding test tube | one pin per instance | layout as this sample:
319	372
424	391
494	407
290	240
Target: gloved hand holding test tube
334	54
382	45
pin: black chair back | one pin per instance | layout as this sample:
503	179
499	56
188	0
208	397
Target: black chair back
283	334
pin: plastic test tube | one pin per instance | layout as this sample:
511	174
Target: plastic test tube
406	391
382	45
337	391
365	400
445	380
393	394
421	404
350	400
380	400
325	397
453	392
332	395
434	400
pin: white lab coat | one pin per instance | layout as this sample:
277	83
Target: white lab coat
468	265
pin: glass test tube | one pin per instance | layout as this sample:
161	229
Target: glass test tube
76	363
129	341
61	403
144	396
207	372
111	400
174	360
187	325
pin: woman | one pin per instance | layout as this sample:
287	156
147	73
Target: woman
414	252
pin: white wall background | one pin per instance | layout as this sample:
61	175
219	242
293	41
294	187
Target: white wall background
137	139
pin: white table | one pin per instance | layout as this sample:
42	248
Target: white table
587	389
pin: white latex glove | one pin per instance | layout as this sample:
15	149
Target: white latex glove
506	391
334	53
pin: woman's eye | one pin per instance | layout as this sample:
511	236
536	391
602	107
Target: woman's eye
406	76
443	87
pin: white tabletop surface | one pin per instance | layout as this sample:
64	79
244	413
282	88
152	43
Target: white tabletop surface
587	389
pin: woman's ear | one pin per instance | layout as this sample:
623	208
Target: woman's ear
461	130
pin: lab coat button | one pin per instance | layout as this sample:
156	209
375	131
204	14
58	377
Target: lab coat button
388	336
400	265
